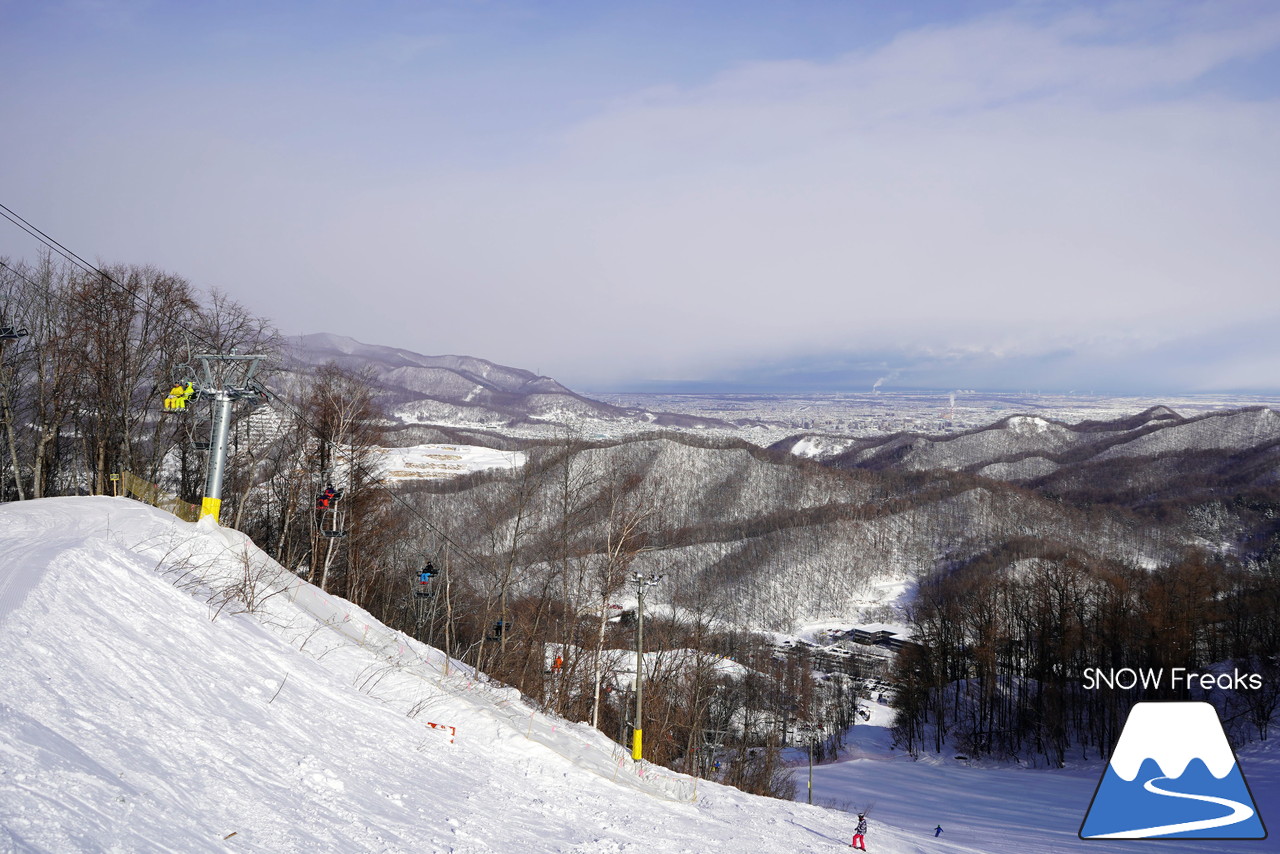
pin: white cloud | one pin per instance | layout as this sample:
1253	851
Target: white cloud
1034	176
1000	175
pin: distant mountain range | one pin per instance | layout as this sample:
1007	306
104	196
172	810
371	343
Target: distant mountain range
1152	456
463	390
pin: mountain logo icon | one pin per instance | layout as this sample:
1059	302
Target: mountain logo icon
1173	776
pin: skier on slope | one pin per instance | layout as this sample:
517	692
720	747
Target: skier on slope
859	833
937	831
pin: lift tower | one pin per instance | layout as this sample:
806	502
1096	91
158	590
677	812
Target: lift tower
637	734
218	368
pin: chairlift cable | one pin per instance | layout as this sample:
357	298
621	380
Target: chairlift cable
13	217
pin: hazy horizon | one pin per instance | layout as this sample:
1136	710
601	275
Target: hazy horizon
829	375
997	194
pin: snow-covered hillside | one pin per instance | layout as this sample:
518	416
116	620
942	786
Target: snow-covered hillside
769	543
454	389
1026	447
144	708
464	391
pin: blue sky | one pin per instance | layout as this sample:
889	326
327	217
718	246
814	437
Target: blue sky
968	194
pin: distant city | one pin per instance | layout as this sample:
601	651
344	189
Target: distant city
766	418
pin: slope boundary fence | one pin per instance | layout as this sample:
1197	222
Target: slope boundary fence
150	493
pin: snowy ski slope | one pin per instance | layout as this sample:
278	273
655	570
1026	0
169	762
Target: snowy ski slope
141	710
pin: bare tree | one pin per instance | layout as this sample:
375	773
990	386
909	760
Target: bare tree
629	505
130	323
344	424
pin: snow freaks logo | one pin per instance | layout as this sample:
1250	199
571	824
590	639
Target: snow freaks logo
1173	776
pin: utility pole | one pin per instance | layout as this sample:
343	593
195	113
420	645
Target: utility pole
642	582
810	767
223	396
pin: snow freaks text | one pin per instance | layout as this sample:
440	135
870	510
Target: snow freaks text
1172	678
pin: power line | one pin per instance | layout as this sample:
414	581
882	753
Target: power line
52	244
17	273
9	214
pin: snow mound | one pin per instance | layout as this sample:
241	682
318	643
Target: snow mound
1029	424
821	447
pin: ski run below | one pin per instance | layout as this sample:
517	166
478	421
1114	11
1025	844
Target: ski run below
143	707
436	462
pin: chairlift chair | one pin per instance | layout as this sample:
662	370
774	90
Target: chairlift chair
183	392
255	395
425	575
205	443
331	523
12	333
177	410
201	444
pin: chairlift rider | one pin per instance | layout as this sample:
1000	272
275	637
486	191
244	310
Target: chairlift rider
326	499
178	397
427	573
330	518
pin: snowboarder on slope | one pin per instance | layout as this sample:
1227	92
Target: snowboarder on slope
937	831
859	832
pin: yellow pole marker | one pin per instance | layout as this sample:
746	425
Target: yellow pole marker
210	507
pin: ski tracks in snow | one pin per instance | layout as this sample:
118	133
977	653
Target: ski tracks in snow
19	573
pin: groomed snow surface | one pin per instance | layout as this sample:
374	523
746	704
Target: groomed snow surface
142	708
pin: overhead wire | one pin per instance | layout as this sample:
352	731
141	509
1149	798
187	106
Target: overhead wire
17	272
54	245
